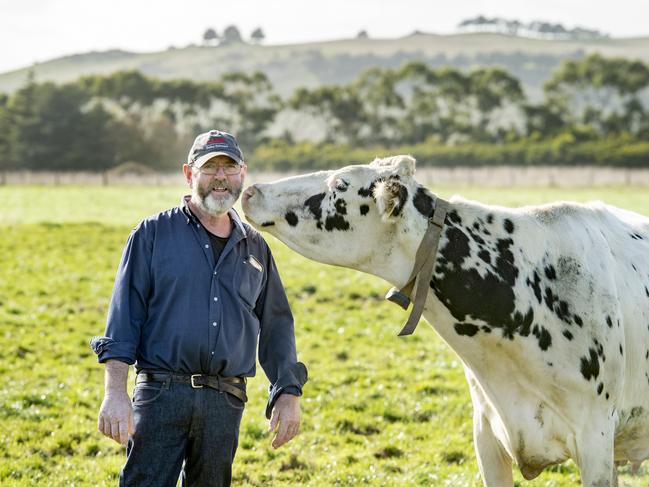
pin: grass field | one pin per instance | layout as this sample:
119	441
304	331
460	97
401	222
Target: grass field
378	409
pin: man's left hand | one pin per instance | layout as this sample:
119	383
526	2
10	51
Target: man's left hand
285	418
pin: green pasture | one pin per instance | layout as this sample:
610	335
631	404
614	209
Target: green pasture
377	410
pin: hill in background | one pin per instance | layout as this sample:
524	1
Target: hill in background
338	62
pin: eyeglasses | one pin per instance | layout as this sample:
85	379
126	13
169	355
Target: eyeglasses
229	169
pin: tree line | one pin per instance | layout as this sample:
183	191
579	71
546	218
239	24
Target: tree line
594	111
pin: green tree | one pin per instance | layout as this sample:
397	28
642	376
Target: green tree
257	36
340	106
210	37
231	35
604	93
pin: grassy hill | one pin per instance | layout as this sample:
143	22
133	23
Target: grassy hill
334	62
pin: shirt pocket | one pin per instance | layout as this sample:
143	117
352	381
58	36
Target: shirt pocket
250	279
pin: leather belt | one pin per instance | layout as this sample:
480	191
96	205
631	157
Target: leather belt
198	381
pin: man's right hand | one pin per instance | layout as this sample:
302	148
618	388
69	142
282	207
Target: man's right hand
116	417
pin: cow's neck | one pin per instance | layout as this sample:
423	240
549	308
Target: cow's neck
475	271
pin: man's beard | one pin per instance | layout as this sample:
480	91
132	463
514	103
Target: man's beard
216	204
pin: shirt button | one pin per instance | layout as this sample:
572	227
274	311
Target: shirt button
212	352
214	323
207	246
215	298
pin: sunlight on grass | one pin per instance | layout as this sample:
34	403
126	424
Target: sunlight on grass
378	409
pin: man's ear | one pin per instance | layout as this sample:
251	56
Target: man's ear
189	176
391	197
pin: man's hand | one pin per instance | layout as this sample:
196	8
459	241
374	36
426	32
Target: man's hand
116	417
116	411
286	415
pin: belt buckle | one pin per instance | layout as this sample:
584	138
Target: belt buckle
194	385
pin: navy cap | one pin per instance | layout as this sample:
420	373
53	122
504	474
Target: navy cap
214	143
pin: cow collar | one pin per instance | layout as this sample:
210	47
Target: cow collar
422	272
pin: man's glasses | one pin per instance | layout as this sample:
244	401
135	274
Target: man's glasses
229	169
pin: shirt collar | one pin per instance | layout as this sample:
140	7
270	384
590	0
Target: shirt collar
191	218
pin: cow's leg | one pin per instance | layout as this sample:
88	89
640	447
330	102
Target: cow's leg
595	454
494	462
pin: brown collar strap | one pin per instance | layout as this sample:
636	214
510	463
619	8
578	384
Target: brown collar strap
422	271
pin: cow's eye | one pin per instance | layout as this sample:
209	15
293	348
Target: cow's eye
341	184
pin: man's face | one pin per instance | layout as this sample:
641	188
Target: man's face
216	186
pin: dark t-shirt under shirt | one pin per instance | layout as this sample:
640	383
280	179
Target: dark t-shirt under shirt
217	243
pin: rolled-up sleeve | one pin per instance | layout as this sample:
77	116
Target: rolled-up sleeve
127	311
277	351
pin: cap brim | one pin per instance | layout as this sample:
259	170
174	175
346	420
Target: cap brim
206	157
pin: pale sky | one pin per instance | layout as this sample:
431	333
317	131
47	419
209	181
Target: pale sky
39	30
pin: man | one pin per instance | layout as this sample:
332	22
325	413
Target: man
195	289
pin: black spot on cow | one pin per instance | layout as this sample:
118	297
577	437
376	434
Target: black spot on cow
341	207
549	298
423	202
476	226
291	218
600	388
490	218
647	355
485	256
636	236
560	307
452	217
634	268
567	334
467	329
578	320
535	284
505	261
486	329
590	365
621	350
609	322
550	273
543	336
364	209
519	324
314	204
457	248
268	224
607	396
336	222
646	291
368	192
509	225
476	238
563	312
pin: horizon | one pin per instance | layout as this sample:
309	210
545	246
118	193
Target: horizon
47	30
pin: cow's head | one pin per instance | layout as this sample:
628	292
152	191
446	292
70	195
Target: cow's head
366	217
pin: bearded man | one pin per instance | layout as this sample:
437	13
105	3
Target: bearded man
197	293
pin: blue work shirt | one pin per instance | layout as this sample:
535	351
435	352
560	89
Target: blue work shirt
174	309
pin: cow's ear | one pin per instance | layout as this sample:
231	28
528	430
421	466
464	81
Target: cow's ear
391	197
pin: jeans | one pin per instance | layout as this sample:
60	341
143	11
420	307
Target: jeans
178	428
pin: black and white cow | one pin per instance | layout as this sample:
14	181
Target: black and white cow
547	306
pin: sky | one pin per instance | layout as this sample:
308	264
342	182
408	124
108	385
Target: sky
39	30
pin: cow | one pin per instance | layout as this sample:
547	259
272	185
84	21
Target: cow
547	306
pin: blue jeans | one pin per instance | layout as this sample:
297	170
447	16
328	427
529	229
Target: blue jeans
181	428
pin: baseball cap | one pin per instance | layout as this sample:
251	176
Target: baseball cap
214	143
